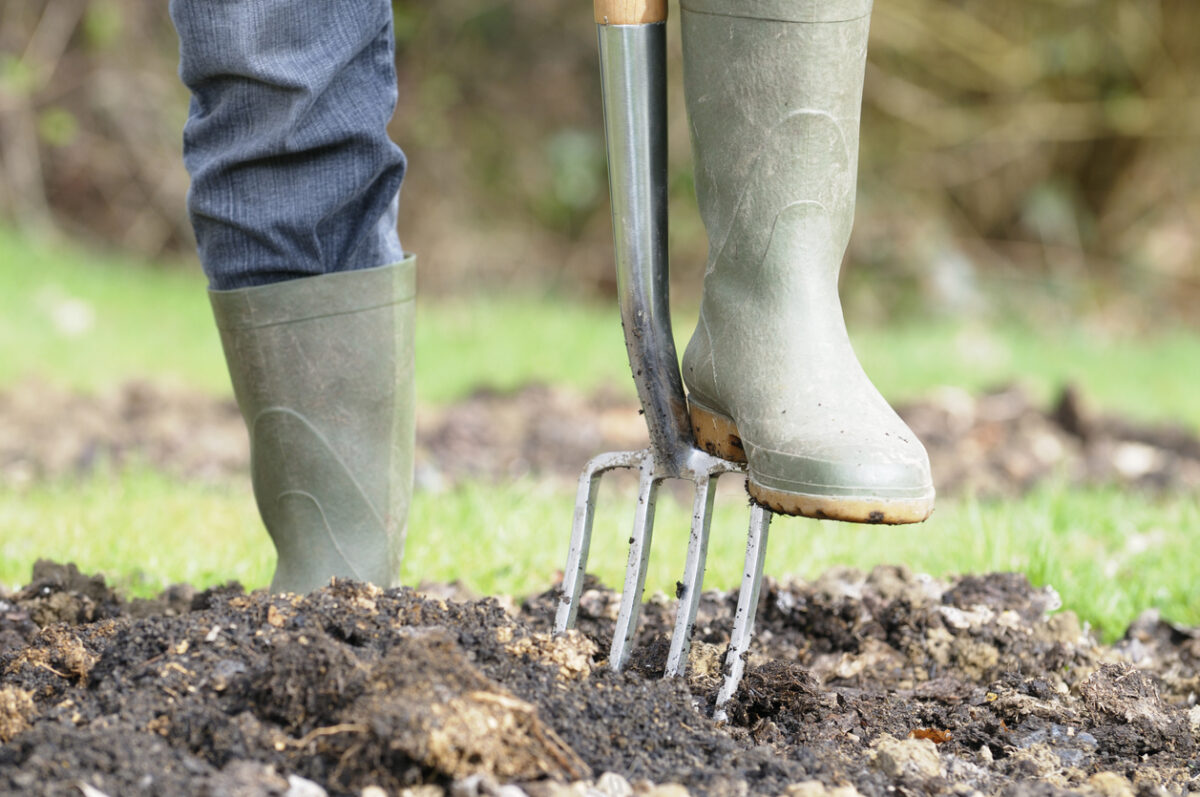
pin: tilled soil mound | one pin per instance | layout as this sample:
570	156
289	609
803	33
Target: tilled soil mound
882	684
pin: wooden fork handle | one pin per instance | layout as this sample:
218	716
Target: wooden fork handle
630	12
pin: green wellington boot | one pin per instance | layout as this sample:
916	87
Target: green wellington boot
322	368
774	95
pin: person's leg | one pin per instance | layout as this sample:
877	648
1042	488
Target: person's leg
774	94
293	173
293	199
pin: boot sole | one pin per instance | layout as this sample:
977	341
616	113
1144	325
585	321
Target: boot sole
718	435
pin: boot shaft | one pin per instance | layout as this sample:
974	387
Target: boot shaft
774	97
324	345
322	369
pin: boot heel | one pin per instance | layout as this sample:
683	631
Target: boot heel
716	433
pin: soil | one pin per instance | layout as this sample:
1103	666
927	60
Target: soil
997	444
872	684
876	684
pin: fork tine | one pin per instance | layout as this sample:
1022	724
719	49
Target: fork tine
635	570
693	576
577	554
581	530
747	606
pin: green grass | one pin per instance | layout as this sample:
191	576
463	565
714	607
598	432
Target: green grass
1110	554
142	529
156	322
1153	376
91	320
505	342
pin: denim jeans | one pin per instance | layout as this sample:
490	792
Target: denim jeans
293	173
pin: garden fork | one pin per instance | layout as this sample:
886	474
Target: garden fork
632	37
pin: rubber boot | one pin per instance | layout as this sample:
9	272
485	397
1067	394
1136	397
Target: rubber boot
774	95
322	368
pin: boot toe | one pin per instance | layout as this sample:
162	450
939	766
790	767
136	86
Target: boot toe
862	482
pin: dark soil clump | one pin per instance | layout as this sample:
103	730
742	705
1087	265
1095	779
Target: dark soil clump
856	684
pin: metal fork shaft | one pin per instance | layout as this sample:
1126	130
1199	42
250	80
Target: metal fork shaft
633	70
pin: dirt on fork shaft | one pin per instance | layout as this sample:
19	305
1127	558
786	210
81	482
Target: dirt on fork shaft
877	684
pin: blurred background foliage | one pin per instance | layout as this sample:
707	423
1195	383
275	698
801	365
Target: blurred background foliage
1044	145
